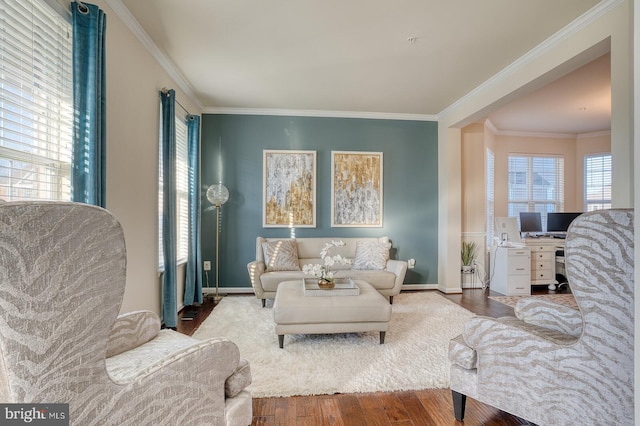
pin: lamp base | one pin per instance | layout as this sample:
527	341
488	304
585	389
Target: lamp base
217	298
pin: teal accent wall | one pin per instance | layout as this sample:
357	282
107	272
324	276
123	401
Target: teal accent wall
232	148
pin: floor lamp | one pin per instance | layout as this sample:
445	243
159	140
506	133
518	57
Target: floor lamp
217	195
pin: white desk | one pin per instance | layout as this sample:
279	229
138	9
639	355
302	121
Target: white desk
543	260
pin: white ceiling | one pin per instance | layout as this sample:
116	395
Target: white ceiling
406	57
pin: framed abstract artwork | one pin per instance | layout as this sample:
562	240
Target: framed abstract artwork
356	189
289	189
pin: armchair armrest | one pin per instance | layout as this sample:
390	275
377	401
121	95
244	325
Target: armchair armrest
172	351
551	315
500	335
256	268
131	330
399	268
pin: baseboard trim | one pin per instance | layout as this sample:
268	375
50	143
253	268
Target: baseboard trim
419	286
454	290
229	290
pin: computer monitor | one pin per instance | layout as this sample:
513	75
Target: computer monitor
507	229
559	222
530	222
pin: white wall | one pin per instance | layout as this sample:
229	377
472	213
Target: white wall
134	79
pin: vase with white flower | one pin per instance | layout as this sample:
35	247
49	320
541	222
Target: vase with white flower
323	271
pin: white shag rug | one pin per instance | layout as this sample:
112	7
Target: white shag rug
414	355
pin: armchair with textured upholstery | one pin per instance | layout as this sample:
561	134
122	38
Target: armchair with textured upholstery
62	279
552	364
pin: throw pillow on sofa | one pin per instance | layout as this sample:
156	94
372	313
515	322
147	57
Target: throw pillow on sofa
281	255
371	255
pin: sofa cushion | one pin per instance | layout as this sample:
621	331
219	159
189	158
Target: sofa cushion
271	280
371	255
281	255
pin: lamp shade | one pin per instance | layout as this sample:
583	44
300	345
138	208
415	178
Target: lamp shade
217	194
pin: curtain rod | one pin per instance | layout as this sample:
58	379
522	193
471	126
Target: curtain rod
165	91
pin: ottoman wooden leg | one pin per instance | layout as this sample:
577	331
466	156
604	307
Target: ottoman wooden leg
281	340
382	334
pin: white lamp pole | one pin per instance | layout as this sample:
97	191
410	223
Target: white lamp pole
217	195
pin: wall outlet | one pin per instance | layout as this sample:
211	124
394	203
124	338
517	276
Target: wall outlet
411	263
207	265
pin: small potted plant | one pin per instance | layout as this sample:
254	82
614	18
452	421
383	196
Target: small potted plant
468	255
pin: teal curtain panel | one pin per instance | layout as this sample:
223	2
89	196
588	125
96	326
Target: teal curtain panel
89	102
169	215
193	282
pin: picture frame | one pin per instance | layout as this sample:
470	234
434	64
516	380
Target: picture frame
356	189
289	189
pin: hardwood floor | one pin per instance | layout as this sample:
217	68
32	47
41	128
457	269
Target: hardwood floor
429	407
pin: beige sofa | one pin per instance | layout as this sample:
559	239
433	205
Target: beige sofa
387	277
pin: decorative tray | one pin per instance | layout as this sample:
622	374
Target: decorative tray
342	287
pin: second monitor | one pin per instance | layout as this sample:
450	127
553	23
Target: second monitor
559	222
530	222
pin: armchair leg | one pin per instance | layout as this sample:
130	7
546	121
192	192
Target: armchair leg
264	302
391	300
459	402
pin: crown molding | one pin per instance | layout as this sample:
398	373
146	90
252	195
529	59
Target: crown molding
492	128
524	134
599	134
517	133
572	28
134	26
319	113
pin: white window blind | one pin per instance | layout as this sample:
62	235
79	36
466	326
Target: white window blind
490	196
36	102
597	182
536	184
182	194
182	189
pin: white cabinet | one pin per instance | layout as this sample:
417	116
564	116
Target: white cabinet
543	260
511	271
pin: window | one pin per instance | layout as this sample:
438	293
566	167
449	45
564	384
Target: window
597	182
490	196
536	184
36	102
182	194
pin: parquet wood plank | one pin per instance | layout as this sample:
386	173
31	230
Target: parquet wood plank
308	421
285	411
374	412
263	421
264	406
394	407
416	411
330	412
350	410
306	406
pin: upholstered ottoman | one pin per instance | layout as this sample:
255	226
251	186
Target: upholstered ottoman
295	313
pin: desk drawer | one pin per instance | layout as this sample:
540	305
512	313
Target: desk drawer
518	285
539	265
543	256
543	275
519	265
540	248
